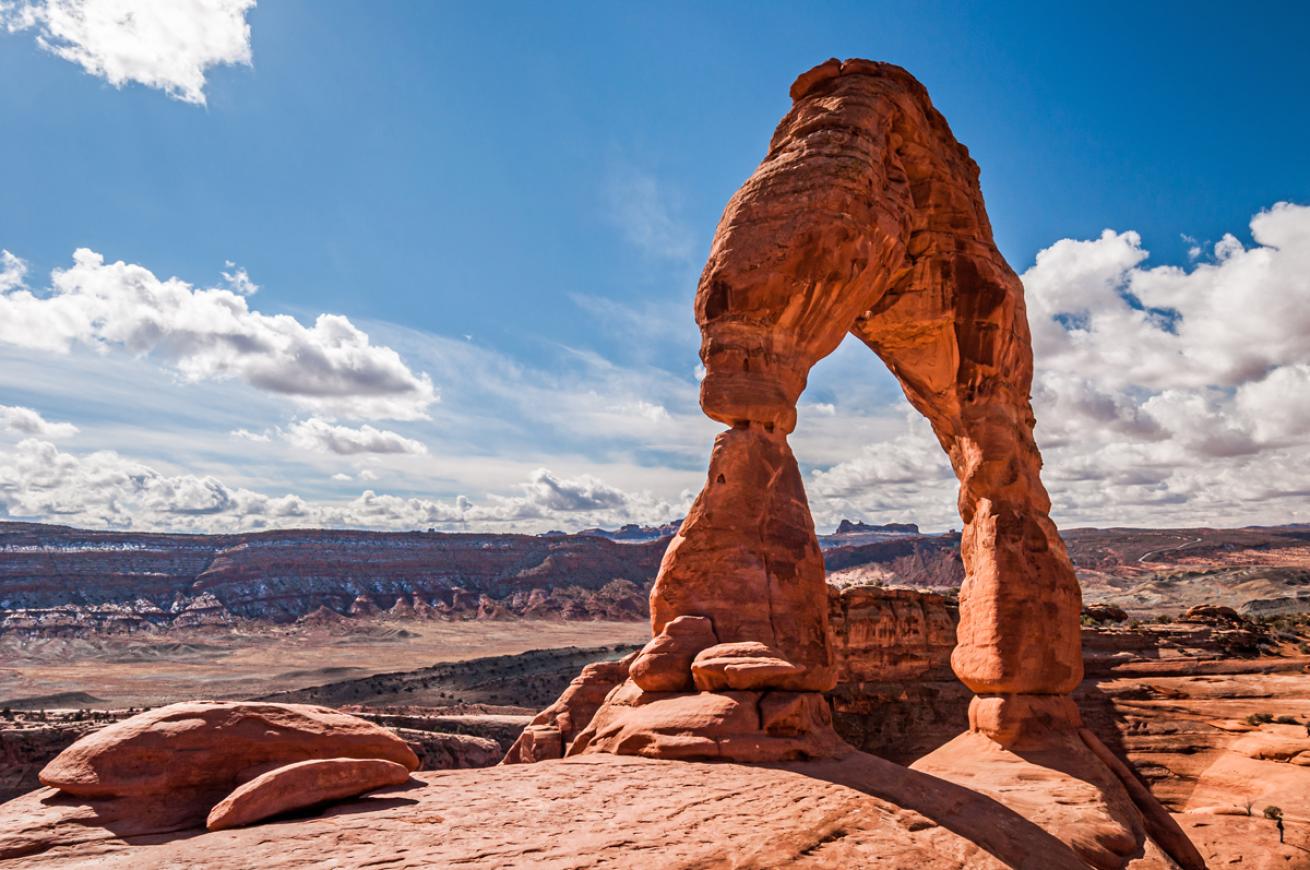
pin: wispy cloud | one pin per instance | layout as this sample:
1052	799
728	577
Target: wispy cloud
325	437
165	44
646	212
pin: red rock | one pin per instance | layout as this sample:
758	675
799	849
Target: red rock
665	663
866	217
1065	789
437	750
596	810
1212	614
207	745
747	557
570	713
744	666
1105	613
363	605
712	726
281	576
301	785
884	634
809	80
1023	722
536	743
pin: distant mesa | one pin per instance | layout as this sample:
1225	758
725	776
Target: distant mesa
632	532
49	702
846	527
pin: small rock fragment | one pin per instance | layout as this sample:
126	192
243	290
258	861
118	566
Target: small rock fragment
300	785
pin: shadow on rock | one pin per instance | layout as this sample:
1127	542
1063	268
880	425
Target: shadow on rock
994	827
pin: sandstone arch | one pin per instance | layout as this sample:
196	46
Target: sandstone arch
866	217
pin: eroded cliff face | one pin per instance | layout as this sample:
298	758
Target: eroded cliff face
60	580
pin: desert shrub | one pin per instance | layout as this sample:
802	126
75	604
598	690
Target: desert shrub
1259	718
1273	813
1287	720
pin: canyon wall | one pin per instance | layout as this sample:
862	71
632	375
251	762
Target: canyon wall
55	579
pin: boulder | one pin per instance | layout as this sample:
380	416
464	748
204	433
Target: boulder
744	666
1213	614
1105	613
199	747
570	713
301	785
747	727
664	664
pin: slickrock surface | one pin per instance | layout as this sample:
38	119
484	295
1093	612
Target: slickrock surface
598	811
301	785
1063	788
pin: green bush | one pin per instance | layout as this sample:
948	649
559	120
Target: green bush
1273	813
1259	718
1287	720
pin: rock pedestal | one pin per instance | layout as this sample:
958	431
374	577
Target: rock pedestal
747	559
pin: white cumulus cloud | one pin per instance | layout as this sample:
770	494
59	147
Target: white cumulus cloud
324	437
1163	395
212	334
1169	394
25	421
38	481
164	44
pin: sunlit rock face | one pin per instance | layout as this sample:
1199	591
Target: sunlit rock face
866	217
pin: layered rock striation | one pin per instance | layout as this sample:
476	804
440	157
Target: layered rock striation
57	580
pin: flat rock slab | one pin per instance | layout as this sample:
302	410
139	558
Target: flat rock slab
598	811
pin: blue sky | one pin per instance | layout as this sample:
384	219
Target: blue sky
517	202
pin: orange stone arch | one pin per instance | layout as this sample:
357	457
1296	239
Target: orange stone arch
866	217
